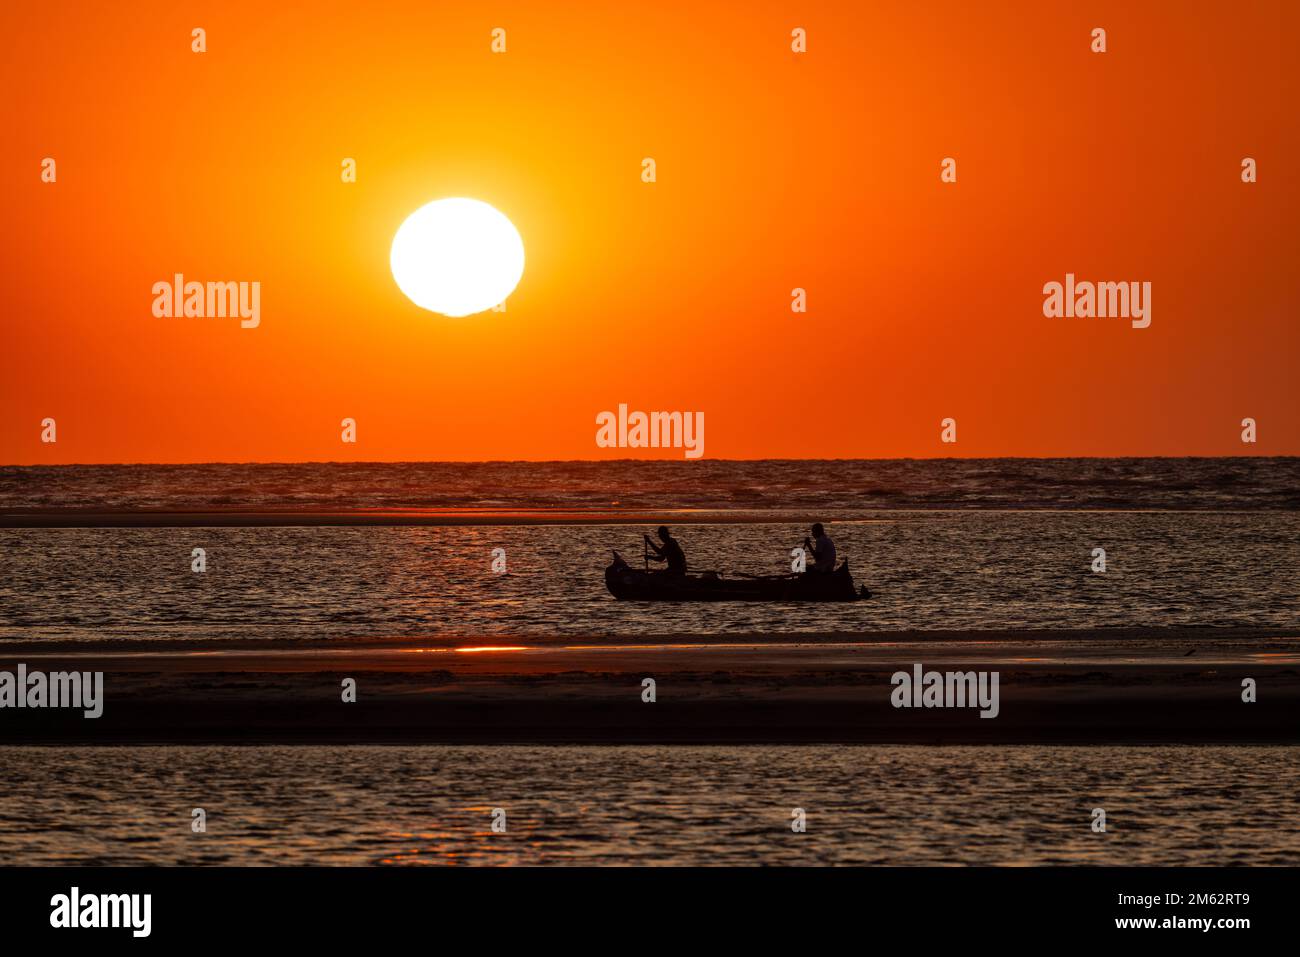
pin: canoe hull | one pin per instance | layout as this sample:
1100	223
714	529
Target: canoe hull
630	584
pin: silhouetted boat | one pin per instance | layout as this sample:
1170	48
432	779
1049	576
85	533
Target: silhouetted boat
632	584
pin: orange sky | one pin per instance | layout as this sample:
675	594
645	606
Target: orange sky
775	170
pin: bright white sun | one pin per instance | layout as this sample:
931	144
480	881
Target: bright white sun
457	257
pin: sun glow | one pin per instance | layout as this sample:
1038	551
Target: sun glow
457	257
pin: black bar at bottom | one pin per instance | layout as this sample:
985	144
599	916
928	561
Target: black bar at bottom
658	907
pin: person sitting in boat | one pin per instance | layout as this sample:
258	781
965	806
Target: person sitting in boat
822	550
670	551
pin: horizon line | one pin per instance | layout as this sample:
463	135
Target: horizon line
642	461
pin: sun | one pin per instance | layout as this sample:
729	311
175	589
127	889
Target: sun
457	257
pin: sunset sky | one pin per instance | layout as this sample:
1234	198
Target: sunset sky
775	170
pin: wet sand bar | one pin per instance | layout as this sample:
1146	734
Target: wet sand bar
714	691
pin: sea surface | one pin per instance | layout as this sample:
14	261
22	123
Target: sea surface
975	570
842	487
943	544
981	545
912	805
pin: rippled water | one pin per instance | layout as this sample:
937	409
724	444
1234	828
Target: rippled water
650	805
929	570
840	486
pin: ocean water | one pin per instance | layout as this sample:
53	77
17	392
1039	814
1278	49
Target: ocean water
842	488
972	570
650	805
945	544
